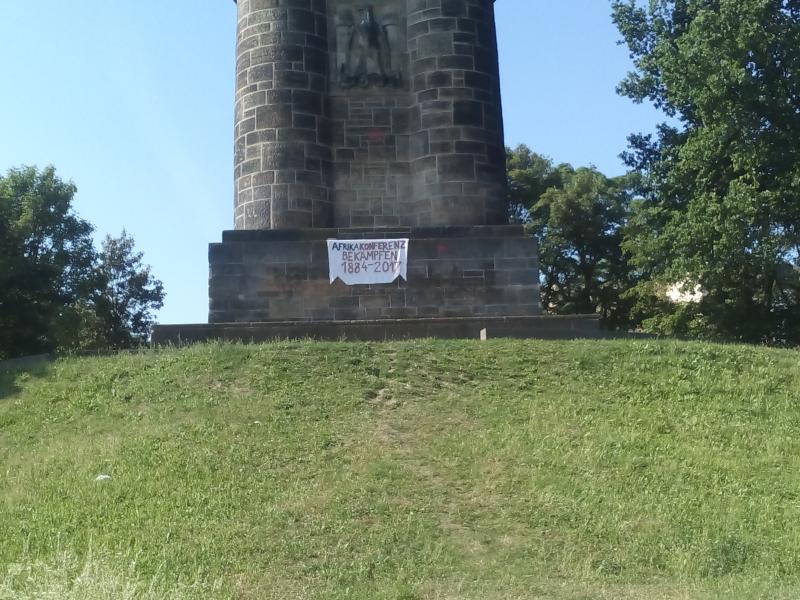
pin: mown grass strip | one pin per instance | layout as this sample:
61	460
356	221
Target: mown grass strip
428	469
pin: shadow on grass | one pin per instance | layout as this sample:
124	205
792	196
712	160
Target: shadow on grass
10	370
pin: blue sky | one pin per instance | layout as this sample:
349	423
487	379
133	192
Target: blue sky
133	101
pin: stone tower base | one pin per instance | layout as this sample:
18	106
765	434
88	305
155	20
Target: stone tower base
258	276
273	284
542	327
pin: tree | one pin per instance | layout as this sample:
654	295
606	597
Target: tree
129	293
56	291
721	182
46	258
578	216
529	176
580	229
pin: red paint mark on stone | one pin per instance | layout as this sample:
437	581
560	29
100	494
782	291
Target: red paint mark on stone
442	249
376	135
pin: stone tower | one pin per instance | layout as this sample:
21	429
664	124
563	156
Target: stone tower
359	114
370	123
365	119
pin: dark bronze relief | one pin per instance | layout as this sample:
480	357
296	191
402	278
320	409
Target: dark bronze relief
366	52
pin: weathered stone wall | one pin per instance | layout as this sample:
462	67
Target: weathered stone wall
371	124
458	152
452	272
543	327
372	184
421	145
283	159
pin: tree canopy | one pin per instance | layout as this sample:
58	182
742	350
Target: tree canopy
578	216
56	290
128	293
46	258
720	181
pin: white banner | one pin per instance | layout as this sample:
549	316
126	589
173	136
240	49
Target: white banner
364	262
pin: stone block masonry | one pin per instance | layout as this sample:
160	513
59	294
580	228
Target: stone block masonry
283	159
543	327
452	272
458	153
358	114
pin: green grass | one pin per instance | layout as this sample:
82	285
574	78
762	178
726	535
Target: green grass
409	470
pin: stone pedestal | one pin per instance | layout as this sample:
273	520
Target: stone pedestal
275	275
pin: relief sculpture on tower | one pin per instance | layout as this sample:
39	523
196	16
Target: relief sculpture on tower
367	48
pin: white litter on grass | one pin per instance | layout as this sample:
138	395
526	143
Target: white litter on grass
103	478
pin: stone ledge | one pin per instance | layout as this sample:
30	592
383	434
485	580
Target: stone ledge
539	327
302	235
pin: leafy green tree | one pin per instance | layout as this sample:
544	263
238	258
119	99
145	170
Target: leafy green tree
529	176
721	182
56	291
46	259
580	225
129	293
578	216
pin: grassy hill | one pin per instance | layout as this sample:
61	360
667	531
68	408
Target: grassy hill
409	470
